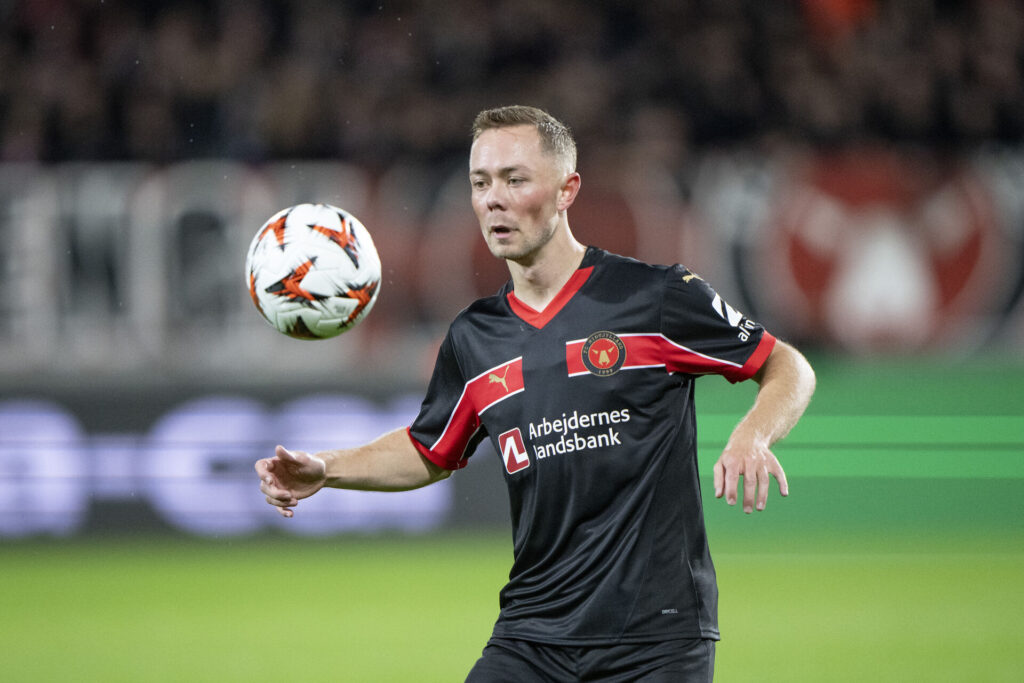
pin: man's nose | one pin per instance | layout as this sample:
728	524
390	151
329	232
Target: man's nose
496	196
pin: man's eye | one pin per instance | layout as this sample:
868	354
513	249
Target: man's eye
516	181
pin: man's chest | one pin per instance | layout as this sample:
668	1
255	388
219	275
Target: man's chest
579	397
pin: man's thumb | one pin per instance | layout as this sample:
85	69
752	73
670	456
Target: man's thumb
285	454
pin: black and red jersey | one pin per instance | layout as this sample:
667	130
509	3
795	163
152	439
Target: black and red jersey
590	405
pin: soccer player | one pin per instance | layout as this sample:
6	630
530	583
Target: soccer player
581	372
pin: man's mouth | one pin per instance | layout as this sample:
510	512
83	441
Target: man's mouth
501	230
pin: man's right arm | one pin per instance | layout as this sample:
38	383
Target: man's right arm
389	463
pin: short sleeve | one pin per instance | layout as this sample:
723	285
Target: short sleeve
706	334
447	429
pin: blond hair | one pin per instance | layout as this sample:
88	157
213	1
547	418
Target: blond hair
555	136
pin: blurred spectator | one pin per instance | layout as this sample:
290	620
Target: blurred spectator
374	81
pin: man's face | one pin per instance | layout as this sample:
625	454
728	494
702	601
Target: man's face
515	191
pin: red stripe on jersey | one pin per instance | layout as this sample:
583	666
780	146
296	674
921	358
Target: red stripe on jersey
435	458
439	459
756	360
495	385
480	393
541	318
657	350
450	447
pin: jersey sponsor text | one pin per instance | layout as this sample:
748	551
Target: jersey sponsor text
567	423
570	439
570	443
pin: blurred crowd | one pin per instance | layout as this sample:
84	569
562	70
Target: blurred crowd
377	81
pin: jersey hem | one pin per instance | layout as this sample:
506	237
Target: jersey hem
610	640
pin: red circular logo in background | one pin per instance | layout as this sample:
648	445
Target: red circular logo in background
872	251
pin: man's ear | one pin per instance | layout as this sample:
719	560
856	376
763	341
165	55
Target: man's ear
570	188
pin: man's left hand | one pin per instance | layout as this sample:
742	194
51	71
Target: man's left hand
754	462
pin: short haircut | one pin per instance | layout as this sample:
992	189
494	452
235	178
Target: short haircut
555	136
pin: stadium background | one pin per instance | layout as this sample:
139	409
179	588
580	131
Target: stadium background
850	172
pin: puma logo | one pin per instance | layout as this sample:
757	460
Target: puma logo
687	278
494	379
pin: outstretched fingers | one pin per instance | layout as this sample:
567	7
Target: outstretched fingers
780	476
765	471
752	480
727	479
756	471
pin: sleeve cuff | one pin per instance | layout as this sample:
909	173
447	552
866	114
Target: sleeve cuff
433	457
756	360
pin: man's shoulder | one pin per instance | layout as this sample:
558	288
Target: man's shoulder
484	308
618	266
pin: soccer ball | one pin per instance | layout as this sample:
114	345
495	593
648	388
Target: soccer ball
313	271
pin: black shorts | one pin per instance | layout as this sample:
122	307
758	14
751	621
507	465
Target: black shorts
520	661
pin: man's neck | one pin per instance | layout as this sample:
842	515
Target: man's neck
537	284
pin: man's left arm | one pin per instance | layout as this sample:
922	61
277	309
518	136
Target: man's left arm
786	383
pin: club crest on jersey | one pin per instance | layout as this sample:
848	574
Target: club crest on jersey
603	354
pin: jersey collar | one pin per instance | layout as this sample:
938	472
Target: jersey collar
539	319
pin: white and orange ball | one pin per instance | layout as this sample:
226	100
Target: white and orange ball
313	271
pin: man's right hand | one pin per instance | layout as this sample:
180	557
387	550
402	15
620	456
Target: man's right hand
290	476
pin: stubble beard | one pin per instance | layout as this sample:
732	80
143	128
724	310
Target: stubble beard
523	253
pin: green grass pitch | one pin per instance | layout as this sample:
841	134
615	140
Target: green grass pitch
899	556
943	609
